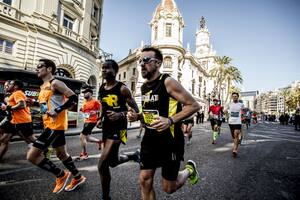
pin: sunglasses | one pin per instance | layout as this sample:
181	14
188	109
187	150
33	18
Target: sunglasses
40	66
147	60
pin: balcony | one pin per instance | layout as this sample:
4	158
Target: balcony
10	12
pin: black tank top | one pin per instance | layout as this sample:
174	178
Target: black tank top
112	100
157	101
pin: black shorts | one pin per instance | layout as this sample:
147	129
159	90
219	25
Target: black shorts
169	164
163	150
7	127
114	134
87	128
56	138
235	127
188	121
214	122
25	129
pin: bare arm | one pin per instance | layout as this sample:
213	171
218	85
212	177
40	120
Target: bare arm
62	88
176	90
19	105
190	106
129	98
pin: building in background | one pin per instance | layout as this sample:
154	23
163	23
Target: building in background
274	102
249	99
190	69
65	31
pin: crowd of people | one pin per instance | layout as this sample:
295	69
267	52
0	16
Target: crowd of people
167	117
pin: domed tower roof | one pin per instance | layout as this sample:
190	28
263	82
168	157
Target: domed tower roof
167	6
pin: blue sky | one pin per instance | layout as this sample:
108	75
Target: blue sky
262	36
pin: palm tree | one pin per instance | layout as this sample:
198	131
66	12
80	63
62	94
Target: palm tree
232	74
218	72
224	73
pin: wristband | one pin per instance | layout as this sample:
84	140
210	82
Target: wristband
171	121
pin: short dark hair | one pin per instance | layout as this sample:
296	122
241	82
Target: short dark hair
19	84
235	93
113	64
49	63
157	52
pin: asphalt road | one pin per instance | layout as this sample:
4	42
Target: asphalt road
267	167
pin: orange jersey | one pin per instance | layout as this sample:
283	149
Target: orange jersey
22	115
91	106
53	100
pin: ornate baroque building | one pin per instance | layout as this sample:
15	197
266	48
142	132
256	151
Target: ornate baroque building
65	31
191	69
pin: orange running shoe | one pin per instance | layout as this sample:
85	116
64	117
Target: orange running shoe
61	182
74	183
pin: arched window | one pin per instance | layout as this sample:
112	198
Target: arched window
63	73
168	62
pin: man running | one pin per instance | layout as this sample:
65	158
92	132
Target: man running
163	141
187	125
90	109
215	112
235	121
19	119
113	96
54	109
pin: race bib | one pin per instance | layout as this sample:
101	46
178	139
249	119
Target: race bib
149	116
86	115
234	114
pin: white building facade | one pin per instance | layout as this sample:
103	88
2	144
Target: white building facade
65	31
190	69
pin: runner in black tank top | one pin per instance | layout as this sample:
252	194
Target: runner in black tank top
112	100
170	142
163	142
113	96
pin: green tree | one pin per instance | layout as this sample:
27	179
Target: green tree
224	74
232	74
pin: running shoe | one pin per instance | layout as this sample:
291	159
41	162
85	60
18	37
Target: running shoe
136	157
194	175
74	183
82	156
234	154
61	182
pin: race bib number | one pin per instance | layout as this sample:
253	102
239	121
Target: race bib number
234	114
86	115
149	116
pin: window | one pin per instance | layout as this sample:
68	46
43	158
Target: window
6	46
199	92
168	62
168	30
8	2
132	86
155	32
133	71
68	22
193	86
200	79
119	77
95	12
124	75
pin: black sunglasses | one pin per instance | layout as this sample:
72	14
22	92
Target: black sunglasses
147	60
40	66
